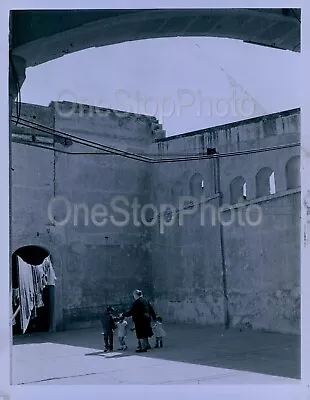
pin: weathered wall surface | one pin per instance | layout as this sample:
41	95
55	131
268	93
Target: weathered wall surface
262	262
273	129
263	274
186	256
33	186
179	261
123	130
105	262
101	264
187	273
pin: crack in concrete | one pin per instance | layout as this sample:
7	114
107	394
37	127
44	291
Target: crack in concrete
87	374
64	377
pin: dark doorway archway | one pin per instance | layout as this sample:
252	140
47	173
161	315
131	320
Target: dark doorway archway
34	255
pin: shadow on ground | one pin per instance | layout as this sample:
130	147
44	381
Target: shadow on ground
265	353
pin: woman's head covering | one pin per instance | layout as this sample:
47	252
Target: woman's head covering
137	293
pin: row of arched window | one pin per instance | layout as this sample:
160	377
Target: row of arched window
266	181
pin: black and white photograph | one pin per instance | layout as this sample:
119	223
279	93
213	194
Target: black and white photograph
155	196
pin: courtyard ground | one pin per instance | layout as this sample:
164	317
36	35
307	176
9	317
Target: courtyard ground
191	355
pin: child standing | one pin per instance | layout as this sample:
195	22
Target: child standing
159	332
121	332
108	326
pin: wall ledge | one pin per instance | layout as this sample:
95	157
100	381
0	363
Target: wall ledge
262	199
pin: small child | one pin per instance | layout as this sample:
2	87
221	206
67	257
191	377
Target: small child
108	326
121	332
159	332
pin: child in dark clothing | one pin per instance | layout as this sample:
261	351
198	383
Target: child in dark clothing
108	326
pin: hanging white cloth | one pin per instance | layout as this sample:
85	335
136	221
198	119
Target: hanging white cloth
50	273
37	273
26	292
32	281
51	277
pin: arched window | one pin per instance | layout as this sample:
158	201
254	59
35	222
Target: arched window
292	171
237	190
265	182
196	185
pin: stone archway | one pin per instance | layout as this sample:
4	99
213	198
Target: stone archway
40	36
43	322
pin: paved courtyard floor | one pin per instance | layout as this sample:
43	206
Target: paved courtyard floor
191	355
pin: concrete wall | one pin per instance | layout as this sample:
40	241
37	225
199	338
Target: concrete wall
95	265
186	256
33	185
104	263
178	265
262	262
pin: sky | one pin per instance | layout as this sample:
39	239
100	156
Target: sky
187	83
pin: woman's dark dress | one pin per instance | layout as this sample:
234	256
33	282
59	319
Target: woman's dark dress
140	313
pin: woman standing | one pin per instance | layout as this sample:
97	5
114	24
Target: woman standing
140	313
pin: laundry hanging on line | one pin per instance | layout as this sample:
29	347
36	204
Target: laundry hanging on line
26	292
32	281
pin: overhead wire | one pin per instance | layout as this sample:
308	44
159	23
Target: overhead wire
76	139
177	210
108	150
178	159
42	146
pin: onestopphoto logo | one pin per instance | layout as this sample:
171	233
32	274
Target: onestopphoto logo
178	104
122	212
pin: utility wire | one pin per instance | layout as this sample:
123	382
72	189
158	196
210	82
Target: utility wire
42	146
224	155
158	215
113	151
193	158
76	139
177	210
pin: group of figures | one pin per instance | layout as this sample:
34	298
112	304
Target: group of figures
142	314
